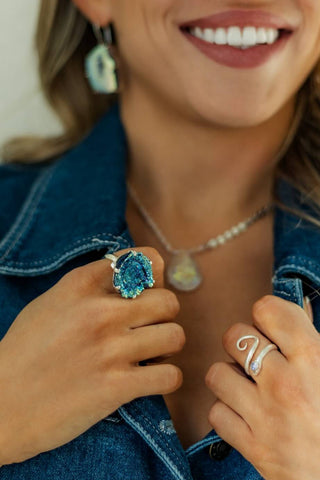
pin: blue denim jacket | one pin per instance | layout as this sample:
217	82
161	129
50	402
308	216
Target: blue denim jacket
70	211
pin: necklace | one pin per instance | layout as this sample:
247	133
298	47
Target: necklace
183	272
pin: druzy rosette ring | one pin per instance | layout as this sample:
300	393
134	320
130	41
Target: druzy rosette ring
254	367
132	273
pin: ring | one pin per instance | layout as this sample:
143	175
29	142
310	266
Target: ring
132	273
254	367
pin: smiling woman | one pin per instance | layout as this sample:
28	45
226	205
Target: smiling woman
160	260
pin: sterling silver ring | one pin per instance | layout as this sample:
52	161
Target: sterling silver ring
254	367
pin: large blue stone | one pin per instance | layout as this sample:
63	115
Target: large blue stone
135	274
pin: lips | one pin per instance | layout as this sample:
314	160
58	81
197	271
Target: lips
241	18
234	57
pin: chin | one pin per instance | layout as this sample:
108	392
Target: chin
233	117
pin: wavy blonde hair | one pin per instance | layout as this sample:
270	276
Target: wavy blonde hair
64	37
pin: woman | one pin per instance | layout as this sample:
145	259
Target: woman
212	373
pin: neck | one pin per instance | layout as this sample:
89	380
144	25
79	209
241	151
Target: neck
186	170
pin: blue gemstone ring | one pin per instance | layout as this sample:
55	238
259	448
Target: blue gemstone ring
132	273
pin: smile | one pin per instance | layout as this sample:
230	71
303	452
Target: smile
235	36
239	38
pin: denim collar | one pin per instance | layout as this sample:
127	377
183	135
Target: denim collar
78	204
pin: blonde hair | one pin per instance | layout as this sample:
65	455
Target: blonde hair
64	37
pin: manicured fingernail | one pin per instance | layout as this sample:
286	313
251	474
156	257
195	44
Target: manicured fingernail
308	307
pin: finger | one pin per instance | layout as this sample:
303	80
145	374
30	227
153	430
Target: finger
285	323
156	379
154	341
153	306
308	307
230	426
238	348
98	275
233	389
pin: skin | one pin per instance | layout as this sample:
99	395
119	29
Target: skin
224	142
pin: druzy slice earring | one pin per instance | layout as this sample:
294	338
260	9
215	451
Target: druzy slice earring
100	66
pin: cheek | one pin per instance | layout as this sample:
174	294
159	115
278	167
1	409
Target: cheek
311	25
307	46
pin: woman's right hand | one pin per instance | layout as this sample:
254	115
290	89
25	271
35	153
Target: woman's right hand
71	357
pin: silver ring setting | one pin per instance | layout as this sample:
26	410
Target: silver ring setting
132	273
254	367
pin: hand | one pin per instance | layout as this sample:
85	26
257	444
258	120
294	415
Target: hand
72	355
273	418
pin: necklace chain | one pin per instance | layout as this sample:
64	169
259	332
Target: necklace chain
212	242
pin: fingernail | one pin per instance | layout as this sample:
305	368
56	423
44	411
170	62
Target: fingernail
308	307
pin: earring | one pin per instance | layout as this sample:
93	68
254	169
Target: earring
100	66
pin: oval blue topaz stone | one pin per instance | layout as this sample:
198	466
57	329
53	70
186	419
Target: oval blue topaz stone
132	274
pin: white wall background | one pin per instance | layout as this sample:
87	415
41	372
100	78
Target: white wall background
23	109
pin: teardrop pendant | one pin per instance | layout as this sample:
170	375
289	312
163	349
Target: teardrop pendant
183	272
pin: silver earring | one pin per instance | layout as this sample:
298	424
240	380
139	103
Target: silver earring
100	66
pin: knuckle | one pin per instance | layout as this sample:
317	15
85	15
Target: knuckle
172	304
264	309
80	278
155	257
105	313
114	351
287	389
308	350
177	335
214	374
173	377
215	413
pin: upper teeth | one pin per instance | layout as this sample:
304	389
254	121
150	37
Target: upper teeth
236	37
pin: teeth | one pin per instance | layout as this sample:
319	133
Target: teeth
221	36
234	37
237	37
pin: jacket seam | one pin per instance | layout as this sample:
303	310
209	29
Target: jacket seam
59	262
301	269
73	248
164	456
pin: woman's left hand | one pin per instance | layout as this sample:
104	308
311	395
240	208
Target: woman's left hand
273	421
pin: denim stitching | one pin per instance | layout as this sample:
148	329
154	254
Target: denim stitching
165	457
301	269
283	293
28	210
46	268
66	256
165	441
85	239
112	419
296	292
203	443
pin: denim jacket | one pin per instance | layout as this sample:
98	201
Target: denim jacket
65	213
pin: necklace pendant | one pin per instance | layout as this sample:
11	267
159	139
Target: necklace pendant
183	272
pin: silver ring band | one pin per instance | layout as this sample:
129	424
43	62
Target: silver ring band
254	367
